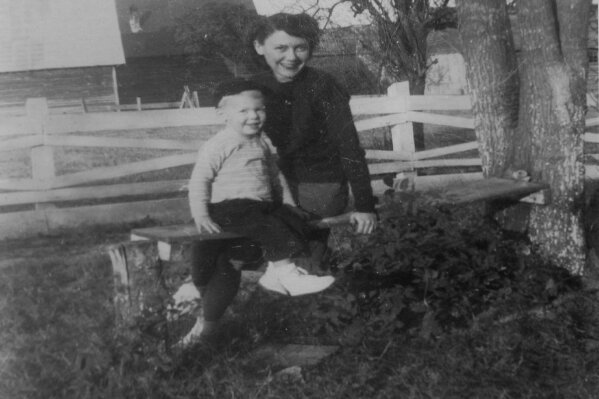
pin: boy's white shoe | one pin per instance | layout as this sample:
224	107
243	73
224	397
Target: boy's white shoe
193	335
187	292
184	301
297	281
270	280
292	280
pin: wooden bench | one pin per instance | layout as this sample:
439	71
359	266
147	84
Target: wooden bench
455	194
168	236
490	189
151	267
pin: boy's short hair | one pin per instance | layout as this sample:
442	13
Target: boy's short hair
236	86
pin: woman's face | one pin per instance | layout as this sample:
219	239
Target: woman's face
286	55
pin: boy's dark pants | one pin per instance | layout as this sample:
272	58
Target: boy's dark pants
215	277
279	232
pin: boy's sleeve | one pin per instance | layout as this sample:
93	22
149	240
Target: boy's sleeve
286	191
200	183
279	185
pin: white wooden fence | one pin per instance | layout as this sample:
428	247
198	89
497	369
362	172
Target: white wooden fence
40	132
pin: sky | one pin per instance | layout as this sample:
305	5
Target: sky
343	16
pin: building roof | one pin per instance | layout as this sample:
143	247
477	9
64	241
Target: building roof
148	26
46	34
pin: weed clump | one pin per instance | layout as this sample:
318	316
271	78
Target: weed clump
430	270
437	303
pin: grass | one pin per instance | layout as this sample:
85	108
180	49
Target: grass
58	341
434	306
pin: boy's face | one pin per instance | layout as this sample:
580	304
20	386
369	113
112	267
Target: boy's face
245	112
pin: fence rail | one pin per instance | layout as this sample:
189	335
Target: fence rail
83	105
40	132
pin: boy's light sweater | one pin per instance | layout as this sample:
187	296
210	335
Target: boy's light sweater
232	166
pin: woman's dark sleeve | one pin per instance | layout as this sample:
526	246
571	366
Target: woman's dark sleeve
341	128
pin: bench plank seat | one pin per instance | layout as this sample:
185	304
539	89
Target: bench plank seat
176	233
454	194
188	232
488	190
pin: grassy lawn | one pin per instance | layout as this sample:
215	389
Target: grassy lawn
436	304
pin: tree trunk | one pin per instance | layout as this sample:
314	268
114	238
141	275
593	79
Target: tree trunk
417	86
530	114
491	70
554	64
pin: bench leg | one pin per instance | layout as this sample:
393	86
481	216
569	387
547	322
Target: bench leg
140	292
164	248
144	286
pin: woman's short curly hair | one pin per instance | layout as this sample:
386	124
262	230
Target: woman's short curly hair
298	25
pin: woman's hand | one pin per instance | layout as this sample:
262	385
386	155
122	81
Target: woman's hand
206	225
363	222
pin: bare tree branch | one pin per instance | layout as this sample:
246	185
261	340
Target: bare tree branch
400	29
330	12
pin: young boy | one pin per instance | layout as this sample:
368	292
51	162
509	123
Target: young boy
236	187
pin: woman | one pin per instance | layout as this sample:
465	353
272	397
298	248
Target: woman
310	122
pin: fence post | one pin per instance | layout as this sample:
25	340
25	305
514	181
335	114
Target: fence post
402	138
402	134
42	157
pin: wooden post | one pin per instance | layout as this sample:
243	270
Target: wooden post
196	99
138	101
115	89
402	134
183	100
140	292
402	137
144	285
42	157
188	99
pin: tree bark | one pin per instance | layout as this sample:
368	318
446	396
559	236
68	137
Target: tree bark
554	64
530	114
417	86
491	70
